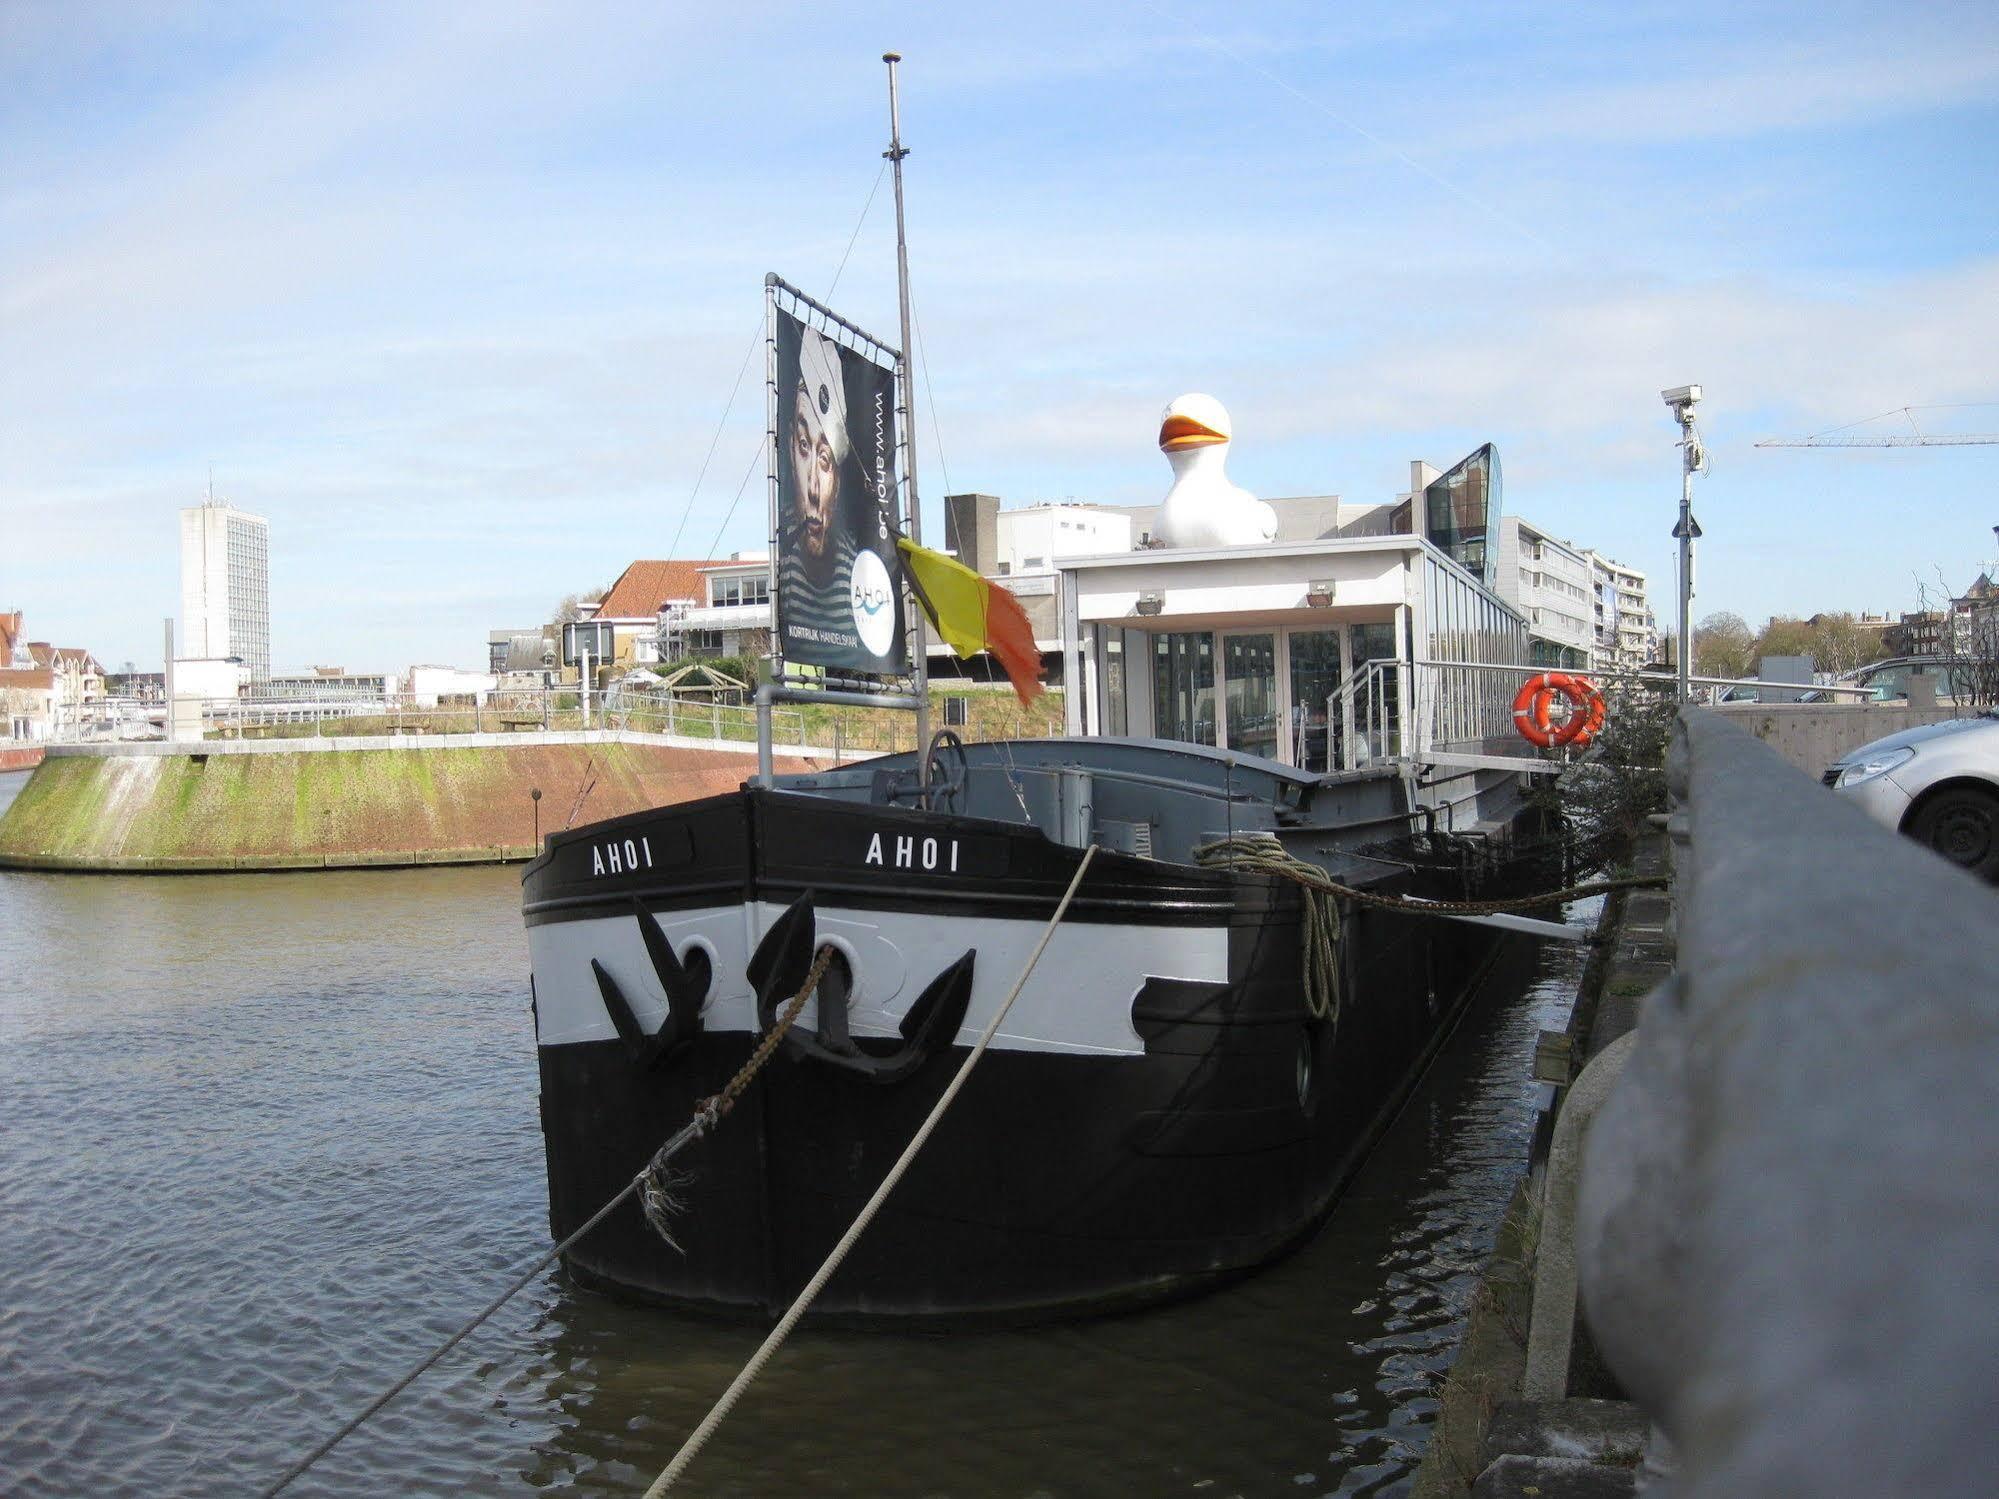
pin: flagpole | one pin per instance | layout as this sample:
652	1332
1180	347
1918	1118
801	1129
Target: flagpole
919	634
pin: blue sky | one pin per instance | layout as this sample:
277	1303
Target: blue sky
456	294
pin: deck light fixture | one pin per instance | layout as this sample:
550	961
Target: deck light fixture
1319	593
1151	601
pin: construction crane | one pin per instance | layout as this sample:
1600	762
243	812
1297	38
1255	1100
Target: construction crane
1915	437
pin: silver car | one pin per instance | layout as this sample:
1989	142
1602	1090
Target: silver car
1938	783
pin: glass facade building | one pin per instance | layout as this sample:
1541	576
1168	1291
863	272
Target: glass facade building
1461	511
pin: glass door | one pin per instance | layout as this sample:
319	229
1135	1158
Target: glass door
1372	643
1316	674
1183	687
1249	681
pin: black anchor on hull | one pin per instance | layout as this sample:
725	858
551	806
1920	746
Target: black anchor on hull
684	984
780	965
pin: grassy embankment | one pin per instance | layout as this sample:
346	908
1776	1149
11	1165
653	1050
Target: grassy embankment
314	810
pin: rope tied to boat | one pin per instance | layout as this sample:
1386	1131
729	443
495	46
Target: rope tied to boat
1313	877
654	1181
1265	853
659	1183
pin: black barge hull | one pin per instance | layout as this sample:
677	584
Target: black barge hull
1161	1113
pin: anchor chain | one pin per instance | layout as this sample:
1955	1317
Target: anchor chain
1250	850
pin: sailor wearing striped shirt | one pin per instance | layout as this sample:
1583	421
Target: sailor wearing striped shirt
815	576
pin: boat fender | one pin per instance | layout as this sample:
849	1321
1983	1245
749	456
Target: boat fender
685	985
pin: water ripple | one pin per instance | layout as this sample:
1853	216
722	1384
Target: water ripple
264	1141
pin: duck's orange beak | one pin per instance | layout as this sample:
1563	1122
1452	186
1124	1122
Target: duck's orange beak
1178	432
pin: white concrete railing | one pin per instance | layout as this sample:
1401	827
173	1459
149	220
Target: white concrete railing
1786	1237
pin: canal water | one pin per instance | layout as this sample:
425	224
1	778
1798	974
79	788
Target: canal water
266	1139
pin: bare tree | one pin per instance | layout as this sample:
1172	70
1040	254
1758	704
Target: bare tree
1967	639
571	606
1836	642
1723	646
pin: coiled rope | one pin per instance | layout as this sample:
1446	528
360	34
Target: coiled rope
1263	852
779	1333
652	1180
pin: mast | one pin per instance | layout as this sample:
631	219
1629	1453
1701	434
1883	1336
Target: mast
919	633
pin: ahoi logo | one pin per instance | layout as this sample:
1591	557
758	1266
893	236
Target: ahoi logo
620	856
874	620
907	851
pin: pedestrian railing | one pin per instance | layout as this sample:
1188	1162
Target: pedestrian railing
397	716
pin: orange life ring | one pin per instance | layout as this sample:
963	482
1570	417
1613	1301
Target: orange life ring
1533	709
1587	723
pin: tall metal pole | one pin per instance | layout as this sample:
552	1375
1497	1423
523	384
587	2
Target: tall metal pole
1685	531
919	636
1681	401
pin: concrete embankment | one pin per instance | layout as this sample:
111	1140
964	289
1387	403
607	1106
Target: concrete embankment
276	806
1813	735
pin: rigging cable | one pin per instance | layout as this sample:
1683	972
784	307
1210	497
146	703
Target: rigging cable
838	271
756	338
743	369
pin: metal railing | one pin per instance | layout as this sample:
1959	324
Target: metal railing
402	715
1464	703
565	708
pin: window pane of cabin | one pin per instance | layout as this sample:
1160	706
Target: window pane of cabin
1249	673
1315	677
1183	687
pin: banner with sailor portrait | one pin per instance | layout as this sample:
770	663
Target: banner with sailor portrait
838	575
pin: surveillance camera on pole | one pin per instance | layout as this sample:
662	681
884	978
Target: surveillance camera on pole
1681	401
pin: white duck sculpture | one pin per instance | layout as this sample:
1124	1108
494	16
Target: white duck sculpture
1202	508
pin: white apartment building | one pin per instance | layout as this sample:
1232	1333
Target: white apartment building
1552	584
1627	636
728	614
1032	537
225	604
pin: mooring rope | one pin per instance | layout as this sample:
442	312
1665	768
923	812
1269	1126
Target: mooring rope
1311	876
707	1115
779	1333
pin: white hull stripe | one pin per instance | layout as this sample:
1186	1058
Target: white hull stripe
1078	999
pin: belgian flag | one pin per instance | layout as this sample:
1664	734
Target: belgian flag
975	614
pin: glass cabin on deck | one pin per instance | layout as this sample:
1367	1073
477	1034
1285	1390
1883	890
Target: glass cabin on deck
1305	652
